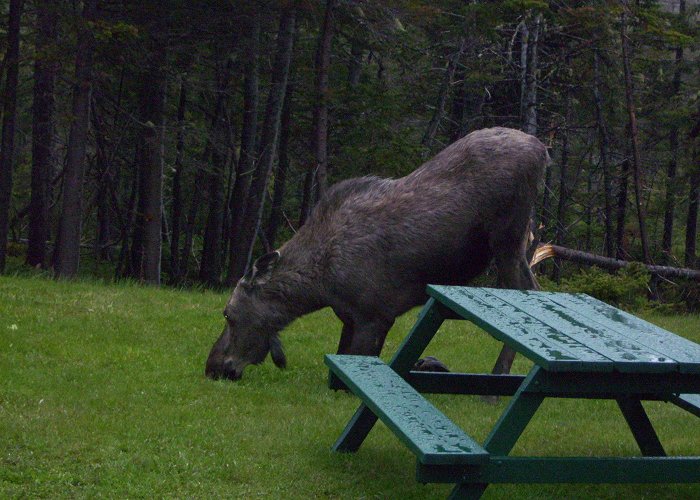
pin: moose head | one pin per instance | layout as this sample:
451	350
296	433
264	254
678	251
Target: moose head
254	315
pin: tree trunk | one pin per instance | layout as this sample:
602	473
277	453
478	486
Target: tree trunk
124	263
176	206
70	225
210	269
634	137
243	246
282	168
246	162
545	213
306	195
443	94
524	42
8	124
530	98
691	225
670	202
147	236
355	64
323	61
45	70
589	210
560	231
623	181
603	146
105	180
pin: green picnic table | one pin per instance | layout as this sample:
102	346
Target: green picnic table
581	348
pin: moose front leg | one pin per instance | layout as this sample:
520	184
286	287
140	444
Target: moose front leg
364	338
368	336
345	337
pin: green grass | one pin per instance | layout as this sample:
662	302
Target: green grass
102	393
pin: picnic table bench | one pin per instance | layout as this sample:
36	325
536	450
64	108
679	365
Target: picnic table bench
581	348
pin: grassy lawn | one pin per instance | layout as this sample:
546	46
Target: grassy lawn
102	393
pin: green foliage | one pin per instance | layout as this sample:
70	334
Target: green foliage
628	288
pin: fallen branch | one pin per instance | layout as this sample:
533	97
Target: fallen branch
547	251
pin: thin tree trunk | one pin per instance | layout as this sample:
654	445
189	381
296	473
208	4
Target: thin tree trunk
268	145
176	207
670	202
70	226
443	94
149	216
355	64
524	59
458	103
545	213
7	148
282	168
603	147
306	195
124	263
45	70
589	210
634	137
530	111
620	249
210	268
246	162
560	231
323	60
104	184
691	224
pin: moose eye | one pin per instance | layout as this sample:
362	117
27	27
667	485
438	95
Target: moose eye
226	316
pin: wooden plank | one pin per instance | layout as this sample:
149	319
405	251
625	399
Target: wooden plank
626	354
597	470
428	433
685	352
542	343
464	383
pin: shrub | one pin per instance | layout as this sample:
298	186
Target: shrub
627	288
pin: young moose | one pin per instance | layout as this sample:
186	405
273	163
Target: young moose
372	245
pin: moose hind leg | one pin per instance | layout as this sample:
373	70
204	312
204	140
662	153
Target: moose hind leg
513	272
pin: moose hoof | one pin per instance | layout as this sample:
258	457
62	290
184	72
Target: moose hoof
430	364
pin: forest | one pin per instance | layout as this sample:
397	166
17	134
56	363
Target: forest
171	142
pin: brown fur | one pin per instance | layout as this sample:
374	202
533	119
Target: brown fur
372	245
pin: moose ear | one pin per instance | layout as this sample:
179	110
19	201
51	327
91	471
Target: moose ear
262	268
276	352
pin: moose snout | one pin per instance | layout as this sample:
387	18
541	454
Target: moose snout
225	370
230	372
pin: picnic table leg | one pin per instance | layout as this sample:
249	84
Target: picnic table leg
641	427
429	320
508	429
515	418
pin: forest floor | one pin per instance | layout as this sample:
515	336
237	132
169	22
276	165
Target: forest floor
102	394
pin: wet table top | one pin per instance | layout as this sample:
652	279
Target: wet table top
571	332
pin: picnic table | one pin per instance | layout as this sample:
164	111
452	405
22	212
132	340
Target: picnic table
581	348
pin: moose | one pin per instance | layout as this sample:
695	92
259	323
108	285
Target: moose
372	245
